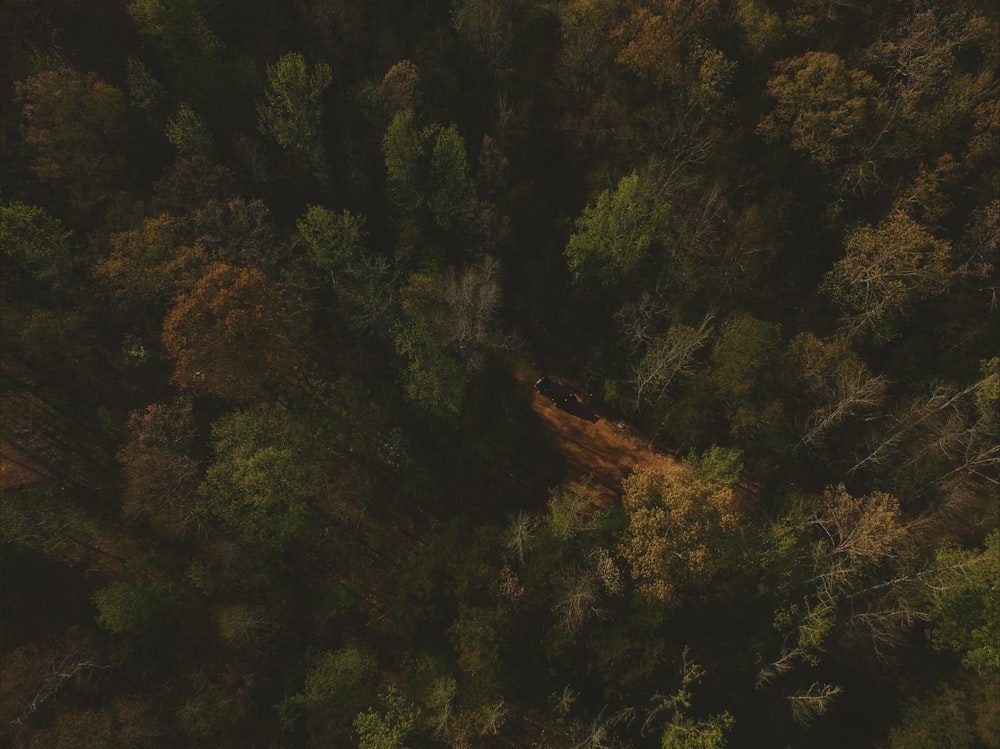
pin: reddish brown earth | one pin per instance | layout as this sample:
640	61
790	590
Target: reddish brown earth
592	445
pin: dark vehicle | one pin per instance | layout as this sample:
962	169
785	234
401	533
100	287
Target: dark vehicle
559	395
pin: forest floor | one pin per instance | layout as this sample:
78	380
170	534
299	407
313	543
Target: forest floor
593	446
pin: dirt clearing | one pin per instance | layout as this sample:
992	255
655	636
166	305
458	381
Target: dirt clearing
606	450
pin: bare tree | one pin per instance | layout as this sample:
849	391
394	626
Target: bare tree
667	358
813	702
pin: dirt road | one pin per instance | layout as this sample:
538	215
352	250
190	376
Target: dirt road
594	446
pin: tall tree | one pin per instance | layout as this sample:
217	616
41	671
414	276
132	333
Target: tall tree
827	110
160	476
366	282
885	269
614	237
37	242
74	122
452	197
292	109
184	41
260	483
838	382
681	531
743	374
232	335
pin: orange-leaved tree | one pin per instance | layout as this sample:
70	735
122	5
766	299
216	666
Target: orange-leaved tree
232	336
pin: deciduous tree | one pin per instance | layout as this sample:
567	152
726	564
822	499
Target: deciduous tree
666	359
823	107
741	370
292	109
160	475
885	269
260	483
37	242
681	531
149	265
388	727
74	122
613	239
231	336
838	382
452	197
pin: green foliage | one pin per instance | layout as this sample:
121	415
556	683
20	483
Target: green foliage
477	636
189	133
339	542
573	510
741	371
452	197
683	731
144	91
404	150
36	241
259	484
614	237
292	109
338	686
434	380
717	465
128	606
388	727
182	37
964	592
333	238
953	715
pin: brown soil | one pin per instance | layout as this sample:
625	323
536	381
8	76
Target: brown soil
605	450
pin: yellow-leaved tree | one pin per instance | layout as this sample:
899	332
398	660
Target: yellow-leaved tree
680	530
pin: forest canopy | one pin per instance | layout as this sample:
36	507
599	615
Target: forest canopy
277	279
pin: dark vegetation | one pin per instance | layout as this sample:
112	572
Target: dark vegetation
274	274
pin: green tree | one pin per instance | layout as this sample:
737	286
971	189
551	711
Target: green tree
333	239
963	588
667	359
958	714
683	731
613	238
434	378
37	242
189	133
388	727
716	465
260	484
130	606
451	197
338	686
366	282
292	109
185	42
405	162
742	373
490	28
449	323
